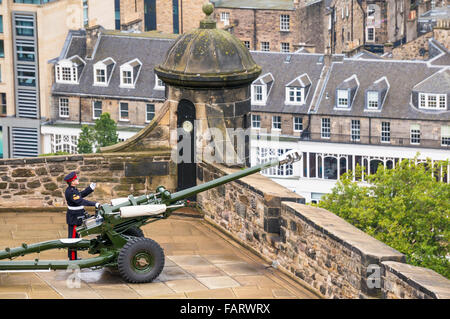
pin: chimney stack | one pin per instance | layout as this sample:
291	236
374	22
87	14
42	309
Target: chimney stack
92	34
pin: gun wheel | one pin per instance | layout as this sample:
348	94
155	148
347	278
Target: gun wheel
140	260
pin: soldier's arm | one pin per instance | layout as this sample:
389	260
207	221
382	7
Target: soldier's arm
80	201
86	191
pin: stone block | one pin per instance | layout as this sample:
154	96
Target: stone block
116	166
56	168
3	185
35	160
146	168
272	212
22	172
41	171
272	225
241	209
56	159
50	186
34	184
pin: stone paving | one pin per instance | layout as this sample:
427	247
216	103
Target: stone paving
200	263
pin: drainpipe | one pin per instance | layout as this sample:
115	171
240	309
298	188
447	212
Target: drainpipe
352	23
181	13
254	30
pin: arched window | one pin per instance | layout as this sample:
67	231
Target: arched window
330	168
342	166
374	165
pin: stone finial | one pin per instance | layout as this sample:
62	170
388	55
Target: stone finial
208	22
208	9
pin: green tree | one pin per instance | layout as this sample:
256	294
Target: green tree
105	131
85	140
406	207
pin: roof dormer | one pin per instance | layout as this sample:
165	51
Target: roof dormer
69	70
297	90
346	93
129	73
376	94
432	94
103	71
260	89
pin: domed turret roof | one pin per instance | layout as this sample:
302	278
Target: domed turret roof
208	57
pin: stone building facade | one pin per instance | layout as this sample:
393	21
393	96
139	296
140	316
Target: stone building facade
343	26
260	29
177	16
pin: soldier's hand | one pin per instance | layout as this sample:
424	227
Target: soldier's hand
93	185
97	205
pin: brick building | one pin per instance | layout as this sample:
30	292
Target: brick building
31	31
345	26
340	112
169	16
102	71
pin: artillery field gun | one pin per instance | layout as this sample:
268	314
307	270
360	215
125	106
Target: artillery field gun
119	242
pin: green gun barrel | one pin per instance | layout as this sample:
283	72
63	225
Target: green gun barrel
186	193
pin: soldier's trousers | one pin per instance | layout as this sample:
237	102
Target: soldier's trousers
72	234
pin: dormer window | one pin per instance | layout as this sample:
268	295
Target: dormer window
129	73
297	89
432	101
100	76
376	94
432	93
295	95
260	89
346	93
103	71
342	98
372	100
68	70
258	95
159	84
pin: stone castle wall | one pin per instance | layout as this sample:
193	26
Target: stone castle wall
324	252
39	182
318	248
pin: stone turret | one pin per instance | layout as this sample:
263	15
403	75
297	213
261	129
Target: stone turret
209	71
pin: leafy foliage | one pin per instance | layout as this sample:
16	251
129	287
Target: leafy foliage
406	207
105	131
54	154
85	140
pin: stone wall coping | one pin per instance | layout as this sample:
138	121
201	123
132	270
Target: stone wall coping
340	230
261	184
423	279
80	157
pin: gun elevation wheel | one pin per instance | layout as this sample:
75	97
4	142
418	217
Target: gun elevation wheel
140	260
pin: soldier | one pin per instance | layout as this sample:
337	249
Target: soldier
75	207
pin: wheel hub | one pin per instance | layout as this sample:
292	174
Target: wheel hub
143	262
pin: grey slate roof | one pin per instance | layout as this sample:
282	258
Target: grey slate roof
402	77
437	83
121	48
283	74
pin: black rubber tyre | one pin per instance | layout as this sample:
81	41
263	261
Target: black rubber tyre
141	260
134	231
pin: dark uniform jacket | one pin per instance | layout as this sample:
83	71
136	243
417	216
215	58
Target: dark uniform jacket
74	199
